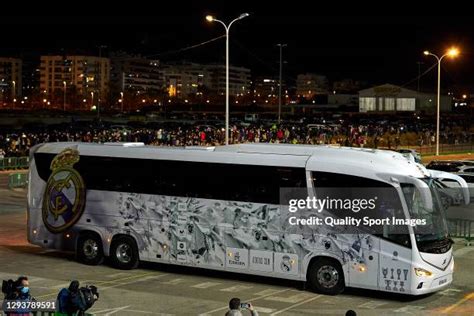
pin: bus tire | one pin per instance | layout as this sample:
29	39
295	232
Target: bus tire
124	253
89	249
325	276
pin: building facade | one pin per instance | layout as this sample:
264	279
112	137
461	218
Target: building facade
388	97
84	78
239	79
186	80
309	85
10	79
347	86
135	75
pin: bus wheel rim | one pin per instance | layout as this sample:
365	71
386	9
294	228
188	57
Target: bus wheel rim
327	276
90	248
124	253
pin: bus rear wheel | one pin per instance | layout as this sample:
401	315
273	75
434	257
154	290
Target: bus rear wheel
89	249
124	253
325	276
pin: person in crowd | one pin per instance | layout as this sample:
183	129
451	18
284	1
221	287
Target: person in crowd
75	300
66	300
20	293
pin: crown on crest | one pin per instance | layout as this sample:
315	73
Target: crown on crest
67	158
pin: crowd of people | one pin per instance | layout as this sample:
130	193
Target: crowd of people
391	136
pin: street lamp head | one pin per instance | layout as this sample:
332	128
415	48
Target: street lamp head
243	15
209	18
453	52
426	52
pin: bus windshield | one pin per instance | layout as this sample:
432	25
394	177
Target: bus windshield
432	237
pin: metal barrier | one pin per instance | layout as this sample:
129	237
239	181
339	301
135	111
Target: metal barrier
461	228
13	163
17	180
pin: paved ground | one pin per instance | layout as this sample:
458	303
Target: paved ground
166	290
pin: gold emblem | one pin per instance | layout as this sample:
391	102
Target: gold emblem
64	197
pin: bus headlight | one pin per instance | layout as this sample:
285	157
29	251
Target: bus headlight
422	272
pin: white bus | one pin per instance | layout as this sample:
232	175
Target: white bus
219	208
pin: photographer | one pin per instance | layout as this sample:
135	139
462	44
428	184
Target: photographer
75	300
17	291
235	307
65	306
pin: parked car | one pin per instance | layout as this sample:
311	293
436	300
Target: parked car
468	162
445	165
251	118
467	169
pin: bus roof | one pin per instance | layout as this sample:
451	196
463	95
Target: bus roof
346	160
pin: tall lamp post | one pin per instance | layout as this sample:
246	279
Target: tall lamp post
210	18
279	85
121	101
93	107
452	52
14	93
64	100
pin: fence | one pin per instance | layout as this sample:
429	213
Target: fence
461	228
443	148
17	180
14	163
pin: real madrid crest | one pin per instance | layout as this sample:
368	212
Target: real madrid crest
64	197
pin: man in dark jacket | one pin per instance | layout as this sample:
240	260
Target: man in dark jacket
67	299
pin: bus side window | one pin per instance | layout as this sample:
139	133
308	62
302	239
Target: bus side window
388	205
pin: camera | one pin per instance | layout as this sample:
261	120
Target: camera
244	305
89	296
8	288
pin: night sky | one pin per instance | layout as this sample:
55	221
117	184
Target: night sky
377	49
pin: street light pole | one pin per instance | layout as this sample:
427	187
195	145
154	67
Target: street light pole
92	99
14	93
98	107
453	52
121	101
438	98
64	101
279	88
210	18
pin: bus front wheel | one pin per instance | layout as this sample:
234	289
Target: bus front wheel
89	249
325	276
124	253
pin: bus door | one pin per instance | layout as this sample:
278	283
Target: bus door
364	263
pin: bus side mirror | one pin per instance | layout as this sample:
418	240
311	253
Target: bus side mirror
423	188
462	183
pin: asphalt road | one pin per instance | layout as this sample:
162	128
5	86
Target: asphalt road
155	289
